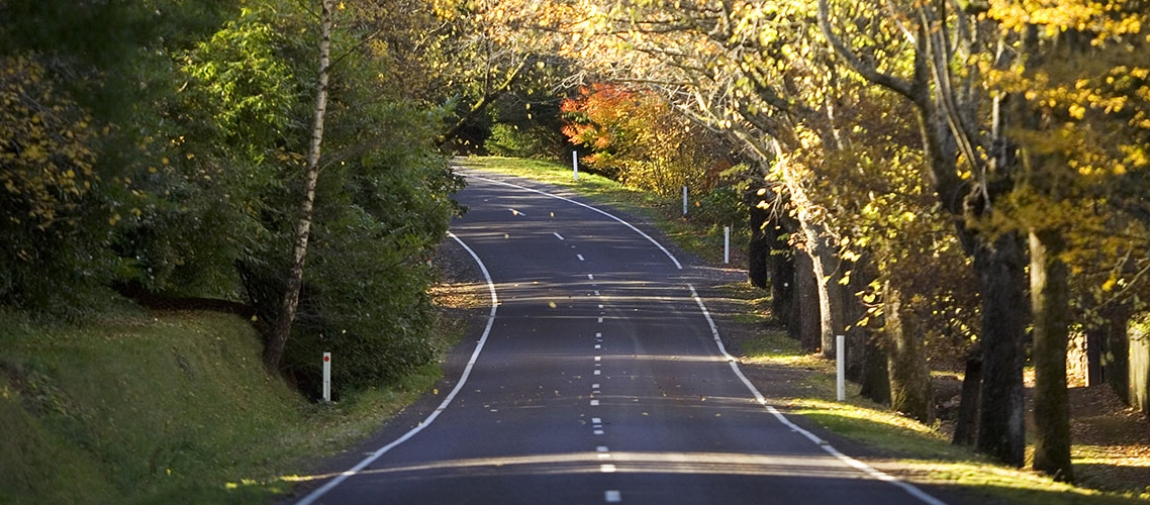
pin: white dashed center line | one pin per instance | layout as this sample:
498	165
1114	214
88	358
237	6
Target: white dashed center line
612	496
580	256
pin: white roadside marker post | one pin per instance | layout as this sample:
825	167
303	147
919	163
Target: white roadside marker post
684	200
726	244
575	164
327	376
840	366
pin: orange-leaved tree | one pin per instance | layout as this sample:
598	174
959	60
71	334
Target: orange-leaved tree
633	135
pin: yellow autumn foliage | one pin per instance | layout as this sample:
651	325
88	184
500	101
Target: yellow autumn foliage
46	155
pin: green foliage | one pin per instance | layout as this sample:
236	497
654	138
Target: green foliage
172	162
378	219
723	205
507	141
527	121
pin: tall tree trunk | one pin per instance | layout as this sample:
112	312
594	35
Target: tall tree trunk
771	259
966	426
273	352
910	384
1050	303
1095	343
781	269
1116	357
821	246
810	329
759	247
1001	272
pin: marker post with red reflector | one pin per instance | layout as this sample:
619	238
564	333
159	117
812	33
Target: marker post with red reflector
327	376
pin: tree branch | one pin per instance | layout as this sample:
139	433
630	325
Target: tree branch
869	71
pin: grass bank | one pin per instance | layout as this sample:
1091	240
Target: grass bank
803	384
167	407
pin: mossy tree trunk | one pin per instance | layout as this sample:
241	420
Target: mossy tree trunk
808	303
966	425
1138	364
1116	355
875	378
1050	303
1001	268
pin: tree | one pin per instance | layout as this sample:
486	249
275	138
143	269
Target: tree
946	110
273	351
637	138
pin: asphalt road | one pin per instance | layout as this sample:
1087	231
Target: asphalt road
599	381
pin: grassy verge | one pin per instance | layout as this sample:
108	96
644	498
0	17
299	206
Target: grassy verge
912	450
164	408
693	233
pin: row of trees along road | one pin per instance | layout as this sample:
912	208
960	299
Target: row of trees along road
911	165
193	154
959	179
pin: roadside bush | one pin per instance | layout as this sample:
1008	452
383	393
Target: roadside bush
724	206
511	142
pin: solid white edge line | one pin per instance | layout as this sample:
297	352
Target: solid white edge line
331	484
910	489
581	204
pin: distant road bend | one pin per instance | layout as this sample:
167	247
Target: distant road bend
599	378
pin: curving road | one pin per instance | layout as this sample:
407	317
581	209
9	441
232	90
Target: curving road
598	379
